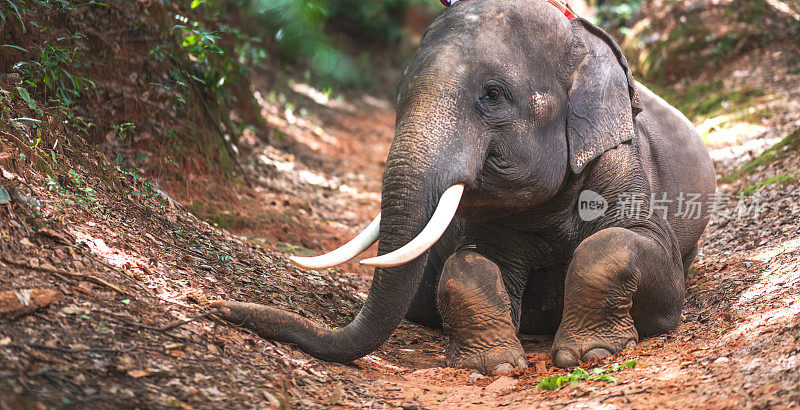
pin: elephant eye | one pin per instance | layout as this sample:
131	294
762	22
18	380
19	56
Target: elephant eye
495	99
492	94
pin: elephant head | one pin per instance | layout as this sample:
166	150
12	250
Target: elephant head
504	100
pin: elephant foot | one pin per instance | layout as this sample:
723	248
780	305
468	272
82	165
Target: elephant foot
598	296
570	348
505	356
476	315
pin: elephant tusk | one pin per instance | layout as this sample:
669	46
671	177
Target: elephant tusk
343	253
444	213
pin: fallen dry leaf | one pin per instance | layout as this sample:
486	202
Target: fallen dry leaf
143	373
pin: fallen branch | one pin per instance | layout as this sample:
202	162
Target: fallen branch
165	353
77	350
103	350
625	394
172	325
60	273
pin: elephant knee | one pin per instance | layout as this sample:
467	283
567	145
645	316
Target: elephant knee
467	272
617	269
471	287
606	260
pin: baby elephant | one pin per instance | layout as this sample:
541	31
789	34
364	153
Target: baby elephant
532	186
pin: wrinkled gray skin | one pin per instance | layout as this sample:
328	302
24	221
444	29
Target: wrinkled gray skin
527	109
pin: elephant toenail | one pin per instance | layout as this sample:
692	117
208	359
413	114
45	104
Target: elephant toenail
522	363
565	358
596	353
475	377
631	344
502	367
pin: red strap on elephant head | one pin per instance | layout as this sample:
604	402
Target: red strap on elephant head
561	5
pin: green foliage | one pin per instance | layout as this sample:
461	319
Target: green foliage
124	130
302	30
788	145
23	93
208	61
616	14
4	196
73	186
200	45
725	45
213	59
578	375
15	10
51	74
297	28
142	188
707	98
781	179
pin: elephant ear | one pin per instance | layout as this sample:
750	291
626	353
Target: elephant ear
602	99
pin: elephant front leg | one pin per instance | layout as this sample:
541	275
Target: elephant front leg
618	281
477	316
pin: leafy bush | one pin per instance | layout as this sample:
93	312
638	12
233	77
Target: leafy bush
53	70
378	21
615	15
213	57
303	31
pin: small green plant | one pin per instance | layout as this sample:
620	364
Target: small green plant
16	9
725	45
200	57
223	258
578	375
25	96
51	74
73	186
145	189
124	130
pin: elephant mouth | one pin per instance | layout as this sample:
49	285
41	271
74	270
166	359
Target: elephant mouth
438	223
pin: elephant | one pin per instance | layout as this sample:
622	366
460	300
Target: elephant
532	187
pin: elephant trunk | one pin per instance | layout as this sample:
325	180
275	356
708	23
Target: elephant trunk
413	181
